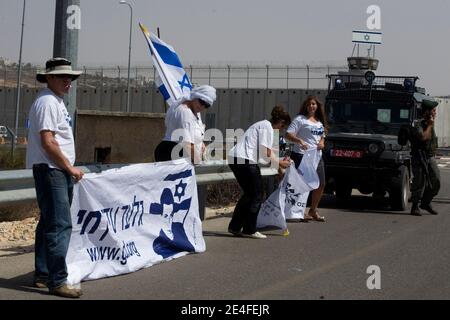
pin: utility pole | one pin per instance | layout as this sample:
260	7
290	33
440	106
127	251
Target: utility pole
129	53
19	79
65	44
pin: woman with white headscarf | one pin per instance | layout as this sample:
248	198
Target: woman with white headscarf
184	127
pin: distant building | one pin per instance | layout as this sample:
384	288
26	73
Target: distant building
443	121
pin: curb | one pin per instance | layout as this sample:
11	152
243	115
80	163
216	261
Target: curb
214	213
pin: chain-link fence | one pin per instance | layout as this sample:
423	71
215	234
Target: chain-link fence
276	77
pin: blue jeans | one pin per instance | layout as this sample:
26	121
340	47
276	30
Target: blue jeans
54	189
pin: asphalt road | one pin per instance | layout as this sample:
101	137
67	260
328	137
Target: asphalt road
316	261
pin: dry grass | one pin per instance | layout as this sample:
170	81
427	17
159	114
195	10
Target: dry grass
19	212
223	194
6	161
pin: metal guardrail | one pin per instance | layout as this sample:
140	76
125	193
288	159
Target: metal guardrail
17	186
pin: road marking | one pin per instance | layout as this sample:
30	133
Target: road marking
366	251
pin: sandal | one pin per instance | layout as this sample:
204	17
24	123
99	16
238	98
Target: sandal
297	220
314	214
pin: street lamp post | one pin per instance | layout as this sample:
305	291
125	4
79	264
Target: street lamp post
129	54
19	77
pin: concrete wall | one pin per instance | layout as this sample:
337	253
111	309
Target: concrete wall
239	108
443	122
235	108
131	138
8	107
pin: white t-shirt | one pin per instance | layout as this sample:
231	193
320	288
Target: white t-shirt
310	132
182	122
48	112
248	146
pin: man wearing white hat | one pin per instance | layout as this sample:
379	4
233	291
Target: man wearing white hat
51	155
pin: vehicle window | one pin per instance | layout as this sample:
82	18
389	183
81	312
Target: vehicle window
348	110
366	117
384	115
404	114
367	112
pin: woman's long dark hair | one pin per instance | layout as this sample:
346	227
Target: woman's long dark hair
320	112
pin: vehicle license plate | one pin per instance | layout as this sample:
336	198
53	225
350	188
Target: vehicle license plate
346	153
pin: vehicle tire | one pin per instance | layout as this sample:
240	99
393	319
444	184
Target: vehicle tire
400	190
343	192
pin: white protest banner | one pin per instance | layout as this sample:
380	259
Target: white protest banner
289	200
133	217
308	167
308	175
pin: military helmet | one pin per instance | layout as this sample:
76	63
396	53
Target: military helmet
429	103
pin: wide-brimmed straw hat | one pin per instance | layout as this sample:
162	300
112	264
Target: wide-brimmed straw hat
57	66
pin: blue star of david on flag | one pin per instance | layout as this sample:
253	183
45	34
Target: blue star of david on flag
172	80
185	82
179	190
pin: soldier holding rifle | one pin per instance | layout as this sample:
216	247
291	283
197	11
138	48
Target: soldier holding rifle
426	176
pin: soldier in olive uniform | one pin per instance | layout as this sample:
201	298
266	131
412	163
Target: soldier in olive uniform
426	178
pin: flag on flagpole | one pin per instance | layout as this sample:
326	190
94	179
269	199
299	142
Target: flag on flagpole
172	81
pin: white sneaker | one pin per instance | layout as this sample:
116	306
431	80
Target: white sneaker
256	235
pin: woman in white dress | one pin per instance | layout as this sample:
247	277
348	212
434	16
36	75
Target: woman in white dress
308	131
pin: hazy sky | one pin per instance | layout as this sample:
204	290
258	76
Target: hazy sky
415	33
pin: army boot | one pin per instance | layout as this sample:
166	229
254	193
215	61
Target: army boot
427	207
415	211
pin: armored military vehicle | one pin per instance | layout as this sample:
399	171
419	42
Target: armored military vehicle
365	113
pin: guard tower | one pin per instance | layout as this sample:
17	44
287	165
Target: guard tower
357	64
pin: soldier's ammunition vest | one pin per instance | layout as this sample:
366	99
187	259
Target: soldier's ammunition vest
428	146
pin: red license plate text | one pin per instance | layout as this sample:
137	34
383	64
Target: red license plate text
346	153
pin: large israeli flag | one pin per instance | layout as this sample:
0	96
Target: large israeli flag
172	80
